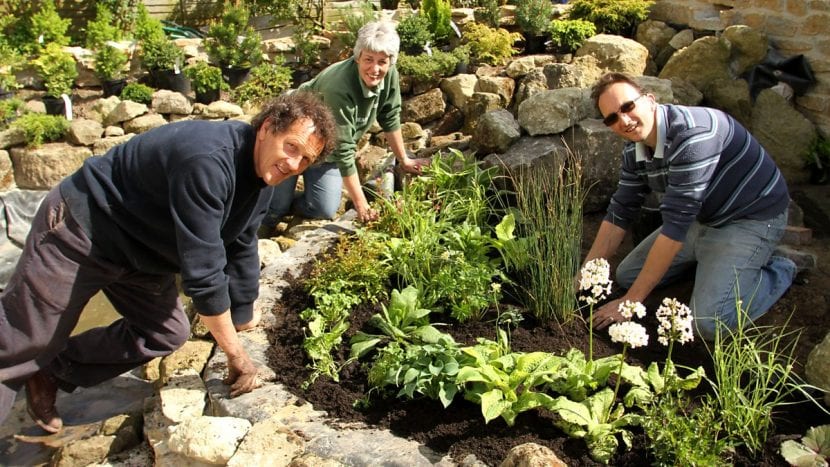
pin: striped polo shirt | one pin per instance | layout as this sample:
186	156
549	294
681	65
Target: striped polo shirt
706	167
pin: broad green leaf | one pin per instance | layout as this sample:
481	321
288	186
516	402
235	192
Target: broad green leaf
428	334
634	375
572	412
493	404
469	374
655	377
799	455
447	393
692	380
818	439
362	346
506	228
639	396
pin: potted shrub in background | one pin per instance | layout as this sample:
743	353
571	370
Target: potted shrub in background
234	45
567	35
159	55
207	81
414	33
533	18
56	68
109	67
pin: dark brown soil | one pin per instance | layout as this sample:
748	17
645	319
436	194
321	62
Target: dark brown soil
460	429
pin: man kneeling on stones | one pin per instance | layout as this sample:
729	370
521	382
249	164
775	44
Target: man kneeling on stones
185	198
724	207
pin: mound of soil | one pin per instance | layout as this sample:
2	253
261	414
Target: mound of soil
460	430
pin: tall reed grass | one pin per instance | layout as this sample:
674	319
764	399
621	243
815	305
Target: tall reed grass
549	200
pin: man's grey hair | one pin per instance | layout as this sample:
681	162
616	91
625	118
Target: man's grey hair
378	36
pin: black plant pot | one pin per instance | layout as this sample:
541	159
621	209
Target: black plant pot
535	44
169	79
300	76
113	87
235	76
389	4
54	105
211	95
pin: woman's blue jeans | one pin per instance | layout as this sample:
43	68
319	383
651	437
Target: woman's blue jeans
319	200
733	262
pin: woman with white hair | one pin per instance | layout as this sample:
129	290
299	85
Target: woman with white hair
358	90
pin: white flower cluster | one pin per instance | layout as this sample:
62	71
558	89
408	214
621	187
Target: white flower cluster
595	279
631	309
629	333
675	321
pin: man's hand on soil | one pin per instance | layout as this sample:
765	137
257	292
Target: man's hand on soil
242	375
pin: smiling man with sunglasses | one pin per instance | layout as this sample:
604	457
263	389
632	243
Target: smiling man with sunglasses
723	202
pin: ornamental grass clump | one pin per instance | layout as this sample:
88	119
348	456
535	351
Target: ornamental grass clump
754	378
549	202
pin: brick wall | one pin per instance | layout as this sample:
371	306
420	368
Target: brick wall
792	26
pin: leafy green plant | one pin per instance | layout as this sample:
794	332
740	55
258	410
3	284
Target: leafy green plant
503	383
57	69
102	28
812	451
684	433
414	31
439	15
41	128
533	16
147	28
578	377
488	45
429	370
9	110
488	13
160	53
110	62
569	34
596	420
351	275
45	27
619	17
137	92
818	161
265	81
426	68
353	20
205	77
306	48
232	42
10	62
403	321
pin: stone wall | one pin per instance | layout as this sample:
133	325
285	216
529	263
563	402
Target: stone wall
792	26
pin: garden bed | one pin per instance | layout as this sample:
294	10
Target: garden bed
460	429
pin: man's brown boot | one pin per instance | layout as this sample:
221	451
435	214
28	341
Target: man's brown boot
41	393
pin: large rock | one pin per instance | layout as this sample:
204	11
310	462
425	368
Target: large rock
583	72
495	132
531	84
6	171
784	132
459	88
477	105
171	102
615	53
208	439
817	369
44	167
551	112
749	47
268	443
600	151
654	35
532	455
123	111
144	123
84	132
731	96
424	108
703	62
501	85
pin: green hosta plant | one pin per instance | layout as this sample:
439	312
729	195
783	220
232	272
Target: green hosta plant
596	420
503	383
812	451
428	369
403	321
578	377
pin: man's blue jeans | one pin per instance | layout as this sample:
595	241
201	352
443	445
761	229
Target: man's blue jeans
734	260
319	200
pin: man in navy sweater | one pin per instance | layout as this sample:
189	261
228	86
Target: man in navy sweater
185	198
722	199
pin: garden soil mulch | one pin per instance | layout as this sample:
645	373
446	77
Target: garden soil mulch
460	430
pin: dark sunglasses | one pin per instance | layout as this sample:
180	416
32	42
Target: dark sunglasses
626	107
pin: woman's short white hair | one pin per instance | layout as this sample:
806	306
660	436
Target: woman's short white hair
378	36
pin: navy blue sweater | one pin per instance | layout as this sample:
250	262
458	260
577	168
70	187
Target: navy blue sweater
706	167
183	197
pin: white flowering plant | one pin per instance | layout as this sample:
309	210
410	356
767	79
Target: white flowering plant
594	286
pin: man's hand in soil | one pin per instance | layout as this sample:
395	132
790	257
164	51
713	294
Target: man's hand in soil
241	375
